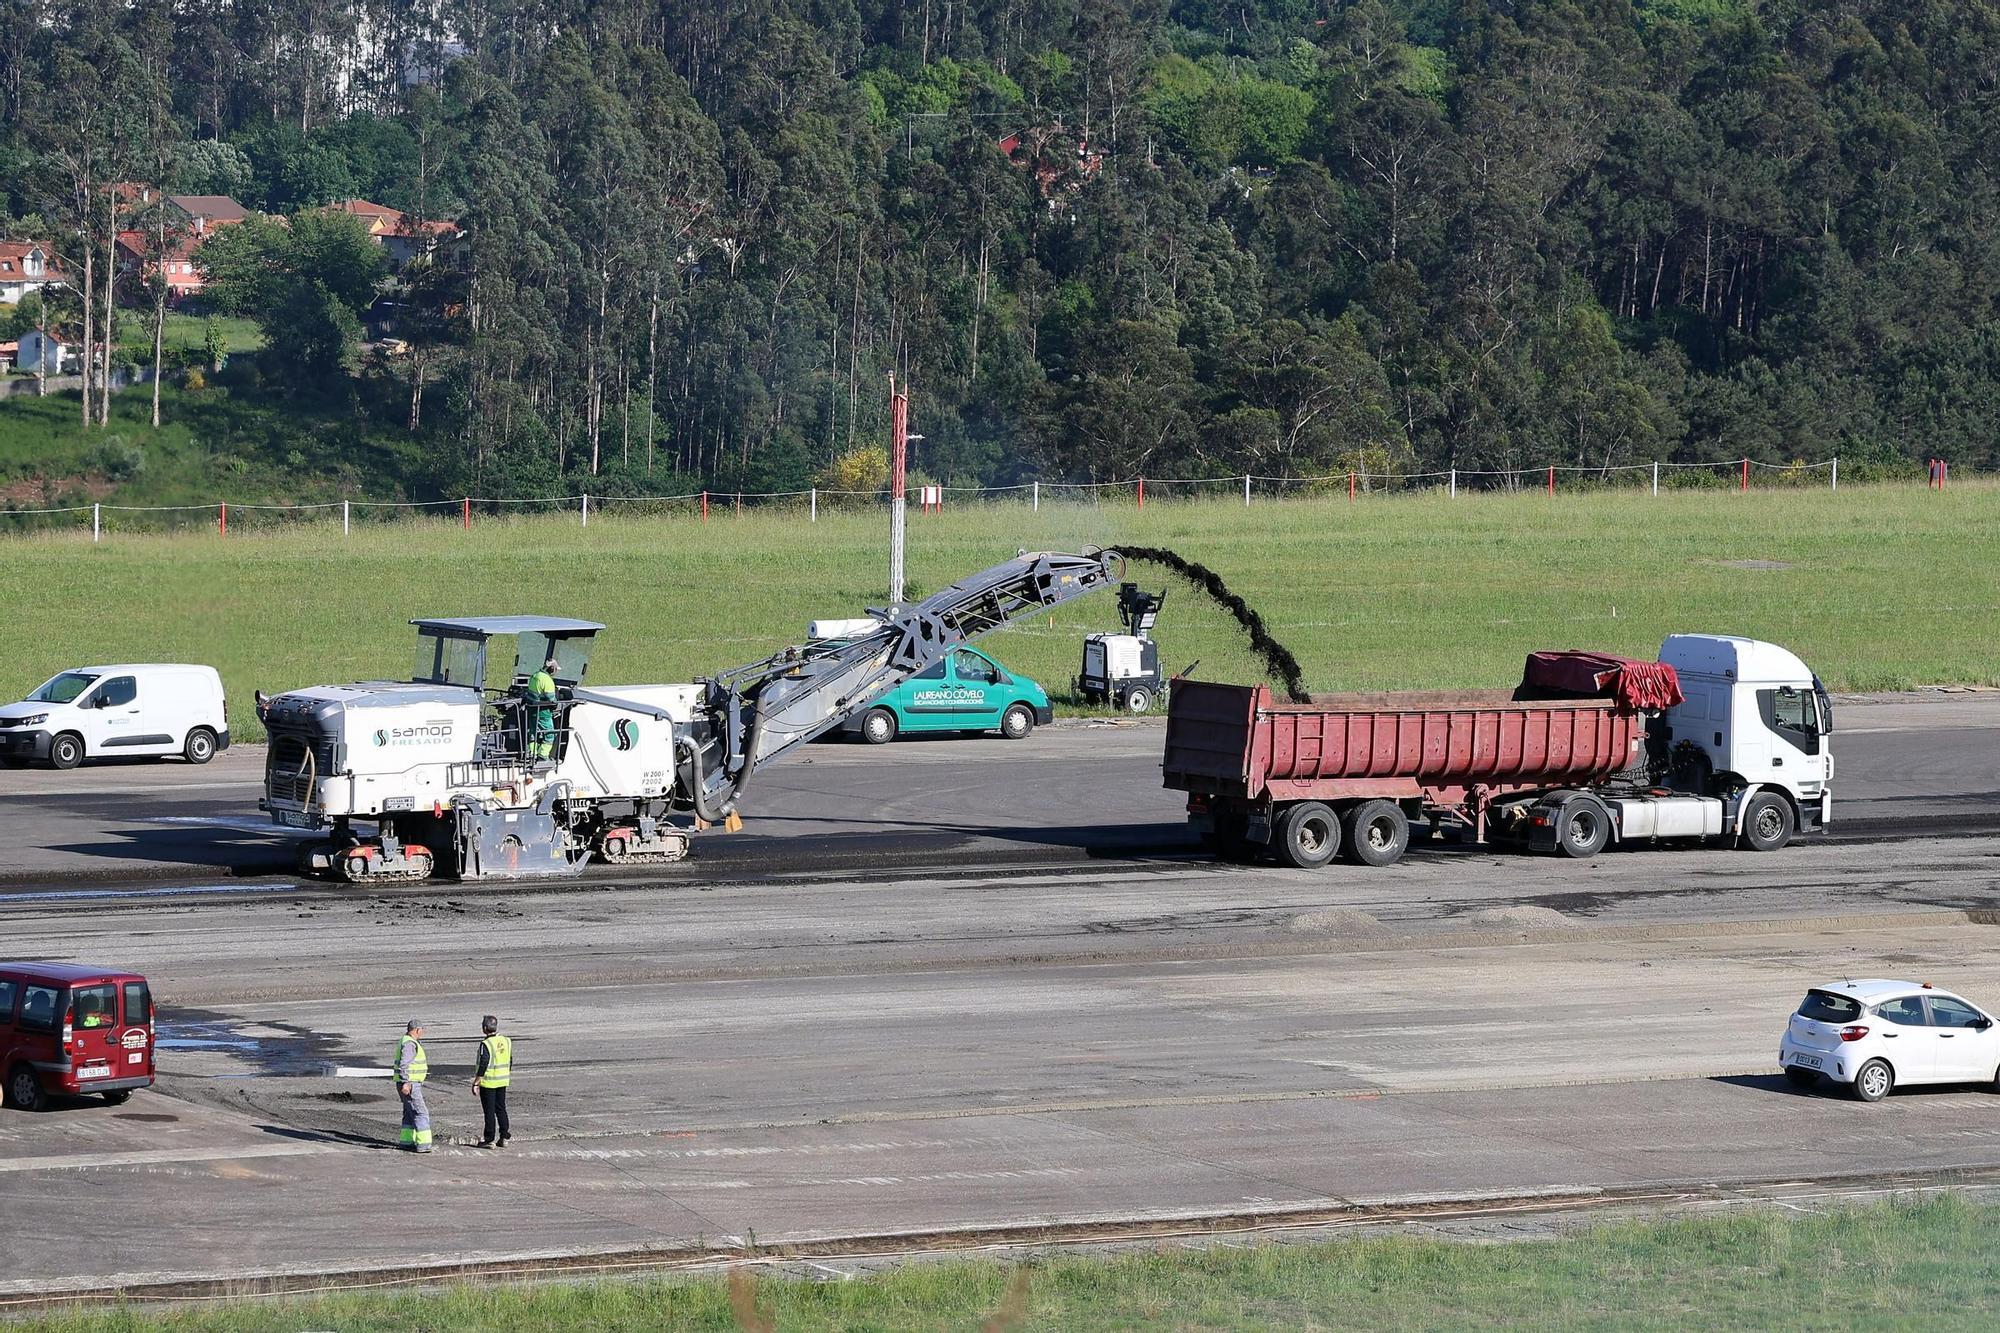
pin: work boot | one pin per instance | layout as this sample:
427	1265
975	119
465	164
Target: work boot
501	1144
485	1143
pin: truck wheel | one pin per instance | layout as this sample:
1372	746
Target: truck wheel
1017	722
66	750
200	747
1582	829
879	727
1378	833
1308	834
24	1090
1873	1080
1138	699
1767	823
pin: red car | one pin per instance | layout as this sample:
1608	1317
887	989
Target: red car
70	1029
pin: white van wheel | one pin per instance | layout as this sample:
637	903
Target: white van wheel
200	747
66	750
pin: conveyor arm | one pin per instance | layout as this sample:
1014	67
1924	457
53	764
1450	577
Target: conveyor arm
759	711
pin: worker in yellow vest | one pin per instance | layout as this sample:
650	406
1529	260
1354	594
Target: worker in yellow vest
491	1076
412	1068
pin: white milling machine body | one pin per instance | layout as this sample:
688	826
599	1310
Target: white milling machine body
441	774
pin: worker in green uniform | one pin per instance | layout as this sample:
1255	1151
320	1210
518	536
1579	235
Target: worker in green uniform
412	1068
492	1075
542	700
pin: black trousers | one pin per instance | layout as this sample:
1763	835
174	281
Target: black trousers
493	1102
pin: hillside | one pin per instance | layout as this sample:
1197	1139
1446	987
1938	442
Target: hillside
1099	239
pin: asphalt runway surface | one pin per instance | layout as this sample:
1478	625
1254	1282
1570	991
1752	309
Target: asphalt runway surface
958	989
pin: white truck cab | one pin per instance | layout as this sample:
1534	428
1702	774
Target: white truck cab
133	708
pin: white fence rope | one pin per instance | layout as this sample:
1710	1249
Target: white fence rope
1248	482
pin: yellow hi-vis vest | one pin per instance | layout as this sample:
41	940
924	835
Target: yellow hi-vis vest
412	1066
499	1061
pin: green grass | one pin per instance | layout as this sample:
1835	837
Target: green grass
1930	1265
1886	587
184	332
210	443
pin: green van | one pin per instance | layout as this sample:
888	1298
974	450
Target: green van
968	691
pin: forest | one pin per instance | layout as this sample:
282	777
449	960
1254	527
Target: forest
1097	238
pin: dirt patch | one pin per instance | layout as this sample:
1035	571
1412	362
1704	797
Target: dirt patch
46	490
1345	923
1533	918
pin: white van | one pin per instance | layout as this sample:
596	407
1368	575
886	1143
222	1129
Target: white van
101	711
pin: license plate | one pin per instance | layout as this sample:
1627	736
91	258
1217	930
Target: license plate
94	1071
296	819
1809	1061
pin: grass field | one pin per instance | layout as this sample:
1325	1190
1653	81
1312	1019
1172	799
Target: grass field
1876	587
1932	1265
185	332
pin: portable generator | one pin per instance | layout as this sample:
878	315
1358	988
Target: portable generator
1124	669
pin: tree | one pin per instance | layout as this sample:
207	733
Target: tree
307	282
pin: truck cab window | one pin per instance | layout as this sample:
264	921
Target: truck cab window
1793	714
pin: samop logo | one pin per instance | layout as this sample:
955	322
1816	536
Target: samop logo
624	733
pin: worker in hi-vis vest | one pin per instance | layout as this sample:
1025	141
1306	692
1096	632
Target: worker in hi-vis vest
491	1076
412	1068
542	699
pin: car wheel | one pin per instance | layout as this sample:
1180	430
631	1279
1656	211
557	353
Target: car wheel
1582	829
1873	1081
879	727
1800	1078
1138	699
200	747
1017	722
118	1098
1308	835
24	1090
66	750
1767	823
1378	833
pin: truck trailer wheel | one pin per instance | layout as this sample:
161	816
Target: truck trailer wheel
1308	835
66	750
1767	823
879	727
1378	833
1582	829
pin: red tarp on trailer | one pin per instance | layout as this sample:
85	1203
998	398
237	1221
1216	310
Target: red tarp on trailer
1641	686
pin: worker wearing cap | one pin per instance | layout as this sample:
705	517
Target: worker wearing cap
412	1068
542	697
491	1076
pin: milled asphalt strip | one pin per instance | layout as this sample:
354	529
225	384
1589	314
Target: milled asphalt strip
161	1156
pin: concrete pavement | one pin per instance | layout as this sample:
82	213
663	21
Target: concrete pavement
963	985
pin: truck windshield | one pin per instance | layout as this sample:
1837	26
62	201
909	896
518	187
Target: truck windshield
63	689
445	660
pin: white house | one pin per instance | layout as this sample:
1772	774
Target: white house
24	268
35	345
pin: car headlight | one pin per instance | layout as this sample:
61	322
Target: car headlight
36	720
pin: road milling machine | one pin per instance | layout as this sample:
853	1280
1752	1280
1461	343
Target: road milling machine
446	774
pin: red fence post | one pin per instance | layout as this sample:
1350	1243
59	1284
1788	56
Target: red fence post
704	506
1350	488
465	509
1552	481
1746	475
1142	492
222	520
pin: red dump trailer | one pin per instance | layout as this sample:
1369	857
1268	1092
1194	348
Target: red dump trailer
1571	774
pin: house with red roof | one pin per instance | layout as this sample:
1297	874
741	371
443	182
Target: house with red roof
26	266
404	237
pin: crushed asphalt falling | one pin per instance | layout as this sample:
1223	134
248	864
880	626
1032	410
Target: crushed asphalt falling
1278	659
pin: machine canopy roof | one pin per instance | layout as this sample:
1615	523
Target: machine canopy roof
487	626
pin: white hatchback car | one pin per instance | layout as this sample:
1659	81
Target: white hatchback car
1874	1035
